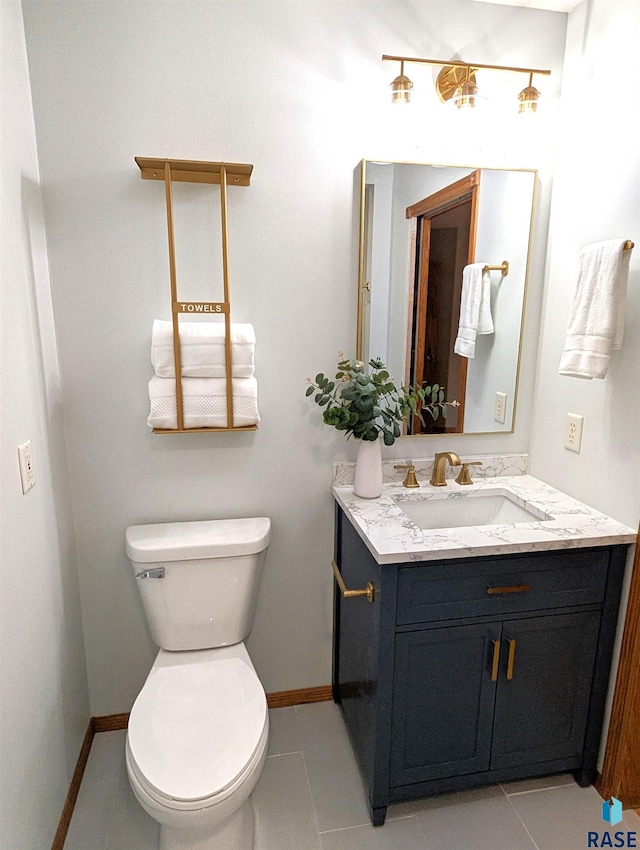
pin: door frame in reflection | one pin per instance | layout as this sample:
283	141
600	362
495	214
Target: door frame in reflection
450	215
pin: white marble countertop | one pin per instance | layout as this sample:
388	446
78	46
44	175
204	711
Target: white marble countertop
392	538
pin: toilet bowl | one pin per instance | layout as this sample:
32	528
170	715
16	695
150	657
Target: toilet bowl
198	731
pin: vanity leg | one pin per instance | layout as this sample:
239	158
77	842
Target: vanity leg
378	814
584	778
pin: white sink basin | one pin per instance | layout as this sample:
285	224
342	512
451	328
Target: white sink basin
457	510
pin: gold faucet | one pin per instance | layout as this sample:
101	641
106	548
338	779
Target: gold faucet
410	479
439	462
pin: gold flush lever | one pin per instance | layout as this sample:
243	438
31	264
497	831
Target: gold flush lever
368	591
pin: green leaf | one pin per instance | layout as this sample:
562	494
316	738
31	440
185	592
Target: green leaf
388	437
319	377
443	410
309	391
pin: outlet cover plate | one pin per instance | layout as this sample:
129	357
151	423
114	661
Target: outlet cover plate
27	473
573	432
500	409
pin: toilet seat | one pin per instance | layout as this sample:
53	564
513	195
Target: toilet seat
195	728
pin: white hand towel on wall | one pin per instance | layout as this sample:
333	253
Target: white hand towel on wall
204	402
596	319
475	309
202	349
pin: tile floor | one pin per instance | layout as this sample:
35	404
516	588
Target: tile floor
310	797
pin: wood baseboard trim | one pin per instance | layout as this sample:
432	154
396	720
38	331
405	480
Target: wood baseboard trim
301	696
74	788
277	699
111	722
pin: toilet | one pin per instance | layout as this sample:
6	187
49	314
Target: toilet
198	730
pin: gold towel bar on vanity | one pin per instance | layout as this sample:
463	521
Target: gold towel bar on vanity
369	591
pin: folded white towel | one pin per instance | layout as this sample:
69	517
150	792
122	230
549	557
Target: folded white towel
596	318
475	309
202	349
204	402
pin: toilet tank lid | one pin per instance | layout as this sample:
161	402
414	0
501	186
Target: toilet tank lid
184	541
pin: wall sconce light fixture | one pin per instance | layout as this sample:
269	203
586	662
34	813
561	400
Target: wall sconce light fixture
401	87
457	82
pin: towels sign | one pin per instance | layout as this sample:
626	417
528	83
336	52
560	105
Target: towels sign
200	307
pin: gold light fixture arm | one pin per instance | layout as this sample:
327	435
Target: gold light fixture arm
470	65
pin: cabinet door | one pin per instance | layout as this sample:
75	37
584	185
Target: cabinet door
443	702
542	702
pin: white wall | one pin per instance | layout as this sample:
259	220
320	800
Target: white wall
299	90
596	196
44	706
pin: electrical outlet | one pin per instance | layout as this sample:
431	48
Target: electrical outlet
27	473
573	432
500	409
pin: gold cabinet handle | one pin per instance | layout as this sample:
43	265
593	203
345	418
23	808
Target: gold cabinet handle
511	659
496	660
351	594
515	588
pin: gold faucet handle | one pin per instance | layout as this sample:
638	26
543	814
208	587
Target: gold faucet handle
410	479
464	476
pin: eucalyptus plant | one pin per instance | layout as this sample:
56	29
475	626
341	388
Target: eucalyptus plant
366	403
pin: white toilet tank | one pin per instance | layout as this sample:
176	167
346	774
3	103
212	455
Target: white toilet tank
199	580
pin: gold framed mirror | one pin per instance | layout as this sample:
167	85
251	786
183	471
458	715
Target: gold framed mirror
425	229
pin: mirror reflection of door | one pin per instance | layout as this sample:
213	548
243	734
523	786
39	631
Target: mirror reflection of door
446	225
365	290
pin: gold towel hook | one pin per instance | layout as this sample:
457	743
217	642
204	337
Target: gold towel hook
503	267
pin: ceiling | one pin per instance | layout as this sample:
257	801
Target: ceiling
548	5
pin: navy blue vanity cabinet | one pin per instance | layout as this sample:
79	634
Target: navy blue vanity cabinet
469	672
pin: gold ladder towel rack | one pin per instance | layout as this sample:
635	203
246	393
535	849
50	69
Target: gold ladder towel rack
217	173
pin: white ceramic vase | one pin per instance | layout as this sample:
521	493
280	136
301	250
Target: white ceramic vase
367	481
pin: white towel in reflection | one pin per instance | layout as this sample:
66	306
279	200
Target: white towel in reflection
475	309
202	349
204	402
596	318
